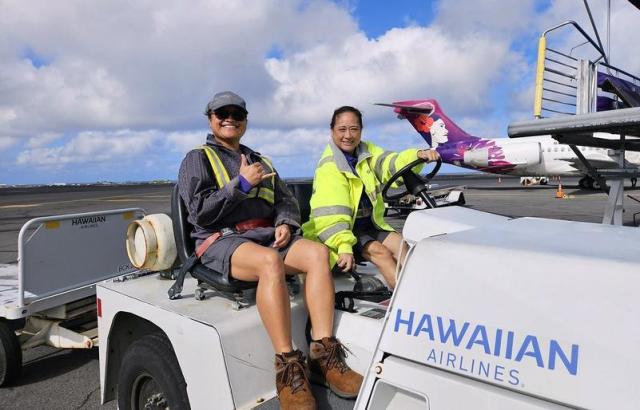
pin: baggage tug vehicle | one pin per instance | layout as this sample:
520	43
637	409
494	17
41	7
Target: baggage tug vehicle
489	313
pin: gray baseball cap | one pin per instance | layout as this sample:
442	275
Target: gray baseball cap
223	99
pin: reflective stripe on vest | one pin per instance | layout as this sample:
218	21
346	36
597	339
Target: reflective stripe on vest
222	177
377	169
332	230
265	192
331	210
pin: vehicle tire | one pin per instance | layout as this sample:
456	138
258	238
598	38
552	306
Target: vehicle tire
10	355
590	184
150	376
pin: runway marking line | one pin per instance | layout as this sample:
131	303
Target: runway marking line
19	206
117	198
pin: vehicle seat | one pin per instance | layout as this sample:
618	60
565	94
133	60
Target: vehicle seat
302	191
185	246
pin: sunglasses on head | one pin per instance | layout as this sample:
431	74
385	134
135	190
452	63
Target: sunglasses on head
235	114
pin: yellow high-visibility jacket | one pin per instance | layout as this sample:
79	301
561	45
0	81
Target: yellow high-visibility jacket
337	191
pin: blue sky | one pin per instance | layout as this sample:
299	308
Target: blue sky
114	90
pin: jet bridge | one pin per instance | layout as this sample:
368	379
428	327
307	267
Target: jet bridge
581	130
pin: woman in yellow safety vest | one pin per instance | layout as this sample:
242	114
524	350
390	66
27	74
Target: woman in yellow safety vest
347	210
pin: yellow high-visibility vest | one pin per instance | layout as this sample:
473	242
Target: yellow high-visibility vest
264	191
337	191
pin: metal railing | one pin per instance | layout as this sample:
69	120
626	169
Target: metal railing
558	75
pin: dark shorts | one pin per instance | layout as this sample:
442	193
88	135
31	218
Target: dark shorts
365	231
218	256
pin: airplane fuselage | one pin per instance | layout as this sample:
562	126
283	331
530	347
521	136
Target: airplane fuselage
532	156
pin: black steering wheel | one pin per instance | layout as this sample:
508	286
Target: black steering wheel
414	183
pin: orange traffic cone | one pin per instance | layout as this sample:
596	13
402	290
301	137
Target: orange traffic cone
559	193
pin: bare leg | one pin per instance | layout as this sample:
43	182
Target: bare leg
313	258
383	255
392	242
252	262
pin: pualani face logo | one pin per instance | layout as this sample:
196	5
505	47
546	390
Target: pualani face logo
511	347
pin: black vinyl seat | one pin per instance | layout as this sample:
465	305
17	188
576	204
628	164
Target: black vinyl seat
186	247
302	190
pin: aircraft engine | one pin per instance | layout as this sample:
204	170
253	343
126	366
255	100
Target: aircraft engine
519	154
477	157
523	154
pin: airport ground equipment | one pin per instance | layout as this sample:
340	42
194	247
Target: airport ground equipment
584	97
528	181
585	130
49	296
489	313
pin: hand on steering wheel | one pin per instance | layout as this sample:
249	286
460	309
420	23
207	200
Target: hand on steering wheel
413	183
428	155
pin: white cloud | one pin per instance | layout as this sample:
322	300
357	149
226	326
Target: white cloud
302	142
7	114
7	142
42	140
147	64
184	141
94	147
415	61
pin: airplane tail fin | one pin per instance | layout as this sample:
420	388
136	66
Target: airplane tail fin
430	122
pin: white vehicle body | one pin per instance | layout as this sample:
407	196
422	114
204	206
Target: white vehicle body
489	313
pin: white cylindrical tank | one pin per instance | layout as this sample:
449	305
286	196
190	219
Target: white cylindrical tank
150	242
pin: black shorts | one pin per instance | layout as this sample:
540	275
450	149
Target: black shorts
365	231
218	256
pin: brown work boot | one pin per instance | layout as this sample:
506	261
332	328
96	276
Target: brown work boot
292	382
327	365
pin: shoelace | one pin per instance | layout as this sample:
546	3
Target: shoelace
294	375
335	357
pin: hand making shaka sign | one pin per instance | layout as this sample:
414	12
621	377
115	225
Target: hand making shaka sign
254	173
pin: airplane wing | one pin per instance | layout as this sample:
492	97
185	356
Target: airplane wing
596	163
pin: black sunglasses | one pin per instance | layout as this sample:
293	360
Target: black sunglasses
236	115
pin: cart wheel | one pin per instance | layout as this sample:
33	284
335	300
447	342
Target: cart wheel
150	376
10	355
199	294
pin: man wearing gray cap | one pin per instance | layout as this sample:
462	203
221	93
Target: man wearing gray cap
234	196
